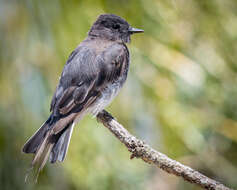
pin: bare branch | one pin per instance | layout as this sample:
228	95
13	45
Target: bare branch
140	149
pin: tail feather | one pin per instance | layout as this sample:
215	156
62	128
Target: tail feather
41	156
46	144
61	147
45	156
33	143
41	150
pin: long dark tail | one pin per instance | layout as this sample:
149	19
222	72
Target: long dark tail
33	142
44	144
60	148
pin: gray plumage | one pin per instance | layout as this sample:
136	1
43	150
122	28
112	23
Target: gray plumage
93	75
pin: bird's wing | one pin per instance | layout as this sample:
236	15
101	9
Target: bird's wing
84	77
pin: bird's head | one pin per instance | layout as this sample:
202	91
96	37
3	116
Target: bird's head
112	27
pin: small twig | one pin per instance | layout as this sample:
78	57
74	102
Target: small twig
140	149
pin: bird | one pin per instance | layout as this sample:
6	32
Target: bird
92	76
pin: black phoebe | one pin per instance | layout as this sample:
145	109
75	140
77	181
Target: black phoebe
93	75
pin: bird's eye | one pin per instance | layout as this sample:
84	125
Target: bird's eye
115	26
103	22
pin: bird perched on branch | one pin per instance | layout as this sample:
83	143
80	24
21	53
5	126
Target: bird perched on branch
92	76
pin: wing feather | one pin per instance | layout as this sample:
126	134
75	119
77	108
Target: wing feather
84	76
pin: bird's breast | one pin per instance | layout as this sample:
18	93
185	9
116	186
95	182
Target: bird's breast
106	97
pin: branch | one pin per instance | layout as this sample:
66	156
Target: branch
140	149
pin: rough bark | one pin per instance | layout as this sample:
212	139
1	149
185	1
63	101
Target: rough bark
140	149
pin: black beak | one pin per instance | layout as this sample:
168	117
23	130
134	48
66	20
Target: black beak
135	30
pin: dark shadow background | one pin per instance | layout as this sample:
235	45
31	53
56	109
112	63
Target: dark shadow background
180	96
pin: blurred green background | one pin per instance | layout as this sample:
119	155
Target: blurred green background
180	96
